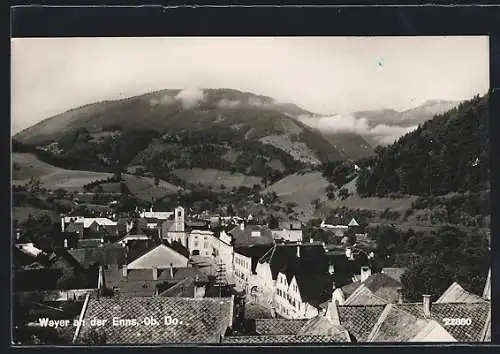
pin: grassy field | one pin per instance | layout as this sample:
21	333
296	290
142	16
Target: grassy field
216	178
29	166
301	189
22	212
145	189
371	203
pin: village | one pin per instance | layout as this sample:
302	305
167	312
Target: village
167	277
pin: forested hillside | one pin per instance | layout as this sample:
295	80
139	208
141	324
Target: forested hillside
449	153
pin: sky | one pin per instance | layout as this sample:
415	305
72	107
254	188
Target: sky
327	75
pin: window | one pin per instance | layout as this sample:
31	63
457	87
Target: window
195	243
179	213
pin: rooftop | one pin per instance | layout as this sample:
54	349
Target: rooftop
455	293
199	320
278	326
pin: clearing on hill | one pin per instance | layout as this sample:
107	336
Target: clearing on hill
216	178
145	189
27	166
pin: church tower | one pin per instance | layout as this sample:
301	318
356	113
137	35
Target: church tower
179	219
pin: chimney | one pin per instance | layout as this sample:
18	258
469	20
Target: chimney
231	312
18	235
400	296
155	273
427	305
171	271
62	223
331	269
348	252
102	240
65	243
333	313
365	273
124	270
298	249
242	226
311	240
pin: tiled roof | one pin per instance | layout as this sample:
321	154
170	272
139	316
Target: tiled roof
161	256
315	288
89	243
278	326
254	252
478	312
184	288
455	293
105	255
359	320
200	320
348	289
396	325
321	326
245	238
378	288
283	254
394	273
342	337
256	311
139	282
364	296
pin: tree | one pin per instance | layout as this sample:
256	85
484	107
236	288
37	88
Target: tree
230	210
273	223
343	193
351	236
430	277
34	185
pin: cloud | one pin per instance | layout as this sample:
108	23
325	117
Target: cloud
255	101
190	97
164	100
225	103
383	133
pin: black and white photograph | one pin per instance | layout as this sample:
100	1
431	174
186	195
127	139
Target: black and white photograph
250	191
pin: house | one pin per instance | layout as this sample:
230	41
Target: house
180	320
223	252
189	287
29	249
200	243
456	294
288	231
105	255
301	287
371	289
175	230
394	273
270	265
283	331
149	282
338	230
477	314
160	215
247	235
160	256
245	263
397	325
